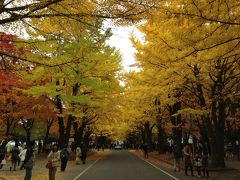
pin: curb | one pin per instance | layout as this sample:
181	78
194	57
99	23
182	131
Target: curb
210	169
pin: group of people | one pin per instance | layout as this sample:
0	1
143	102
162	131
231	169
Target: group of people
17	155
197	157
25	158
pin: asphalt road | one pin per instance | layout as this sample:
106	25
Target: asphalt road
123	165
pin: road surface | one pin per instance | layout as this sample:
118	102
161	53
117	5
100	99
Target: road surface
123	165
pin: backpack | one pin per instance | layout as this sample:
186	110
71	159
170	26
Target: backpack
64	153
176	152
15	153
2	151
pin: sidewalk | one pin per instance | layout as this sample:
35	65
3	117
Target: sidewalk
40	172
165	160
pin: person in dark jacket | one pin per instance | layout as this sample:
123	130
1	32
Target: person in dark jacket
84	153
64	155
15	156
176	157
3	152
145	150
29	160
40	146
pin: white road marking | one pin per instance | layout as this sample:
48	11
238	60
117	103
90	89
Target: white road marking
159	169
86	169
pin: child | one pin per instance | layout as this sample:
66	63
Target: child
198	163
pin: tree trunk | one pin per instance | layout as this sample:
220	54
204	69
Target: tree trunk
61	127
160	129
28	137
81	130
68	129
78	133
217	150
148	131
217	141
9	124
8	127
143	136
86	138
27	127
160	139
214	123
176	121
71	118
49	125
64	133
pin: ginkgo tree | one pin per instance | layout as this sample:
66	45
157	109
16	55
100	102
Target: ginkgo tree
79	71
191	50
19	14
143	111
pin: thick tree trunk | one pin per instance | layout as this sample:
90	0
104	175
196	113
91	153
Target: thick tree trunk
217	150
49	125
214	123
78	133
64	133
68	129
8	128
27	127
143	136
148	130
71	118
160	129
28	136
176	121
217	141
160	139
9	124
61	127
81	130
86	138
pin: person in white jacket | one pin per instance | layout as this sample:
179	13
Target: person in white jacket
78	155
22	156
54	158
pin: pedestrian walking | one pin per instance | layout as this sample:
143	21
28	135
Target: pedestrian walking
29	160
22	157
15	156
187	151
20	150
198	163
40	146
98	147
3	152
84	153
176	157
64	158
145	150
78	155
53	158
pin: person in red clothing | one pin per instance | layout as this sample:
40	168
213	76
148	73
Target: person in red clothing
187	152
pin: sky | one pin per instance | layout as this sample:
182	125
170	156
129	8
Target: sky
120	40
